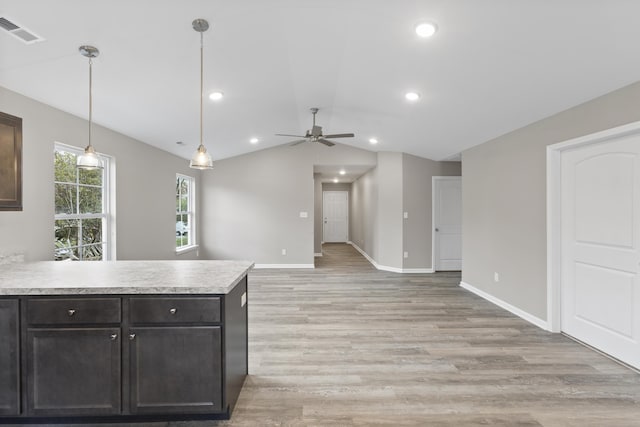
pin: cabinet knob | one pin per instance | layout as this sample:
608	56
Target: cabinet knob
173	310
114	337
71	312
132	337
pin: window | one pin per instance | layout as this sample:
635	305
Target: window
82	220
185	208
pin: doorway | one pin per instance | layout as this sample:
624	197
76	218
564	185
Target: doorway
595	257
447	223
335	216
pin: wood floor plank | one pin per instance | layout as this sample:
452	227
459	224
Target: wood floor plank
347	345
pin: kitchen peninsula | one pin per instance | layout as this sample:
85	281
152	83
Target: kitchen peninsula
122	340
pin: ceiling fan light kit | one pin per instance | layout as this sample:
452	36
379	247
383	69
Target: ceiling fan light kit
315	134
201	158
89	159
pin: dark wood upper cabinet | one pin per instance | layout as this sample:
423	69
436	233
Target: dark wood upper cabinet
10	163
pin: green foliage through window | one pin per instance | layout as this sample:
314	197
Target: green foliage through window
80	216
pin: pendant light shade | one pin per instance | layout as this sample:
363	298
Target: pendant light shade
89	159
201	159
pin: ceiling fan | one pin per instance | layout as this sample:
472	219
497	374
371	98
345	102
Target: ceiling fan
315	134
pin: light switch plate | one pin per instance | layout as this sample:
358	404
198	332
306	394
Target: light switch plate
304	215
406	215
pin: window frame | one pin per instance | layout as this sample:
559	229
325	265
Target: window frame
108	203
192	243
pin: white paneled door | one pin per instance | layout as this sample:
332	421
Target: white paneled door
335	216
601	246
447	222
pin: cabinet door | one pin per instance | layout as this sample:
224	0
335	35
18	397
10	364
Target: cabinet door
9	378
175	369
73	371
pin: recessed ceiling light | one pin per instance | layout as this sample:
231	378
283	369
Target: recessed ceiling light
342	172
426	29
335	180
216	96
373	140
412	96
254	140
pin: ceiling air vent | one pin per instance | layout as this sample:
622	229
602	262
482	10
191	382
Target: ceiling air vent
21	33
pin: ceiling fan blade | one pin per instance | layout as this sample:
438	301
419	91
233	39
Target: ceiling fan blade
286	134
300	141
340	135
326	142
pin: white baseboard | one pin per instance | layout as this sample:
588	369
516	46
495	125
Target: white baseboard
543	324
265	266
387	268
317	254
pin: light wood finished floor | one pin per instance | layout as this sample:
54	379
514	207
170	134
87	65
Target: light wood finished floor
347	345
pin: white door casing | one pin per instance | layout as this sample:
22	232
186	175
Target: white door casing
447	223
600	246
335	216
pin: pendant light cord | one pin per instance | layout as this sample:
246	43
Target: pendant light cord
90	97
201	81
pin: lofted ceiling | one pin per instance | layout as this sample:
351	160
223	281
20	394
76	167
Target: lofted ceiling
492	67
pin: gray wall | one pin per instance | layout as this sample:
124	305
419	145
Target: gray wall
389	224
251	203
317	214
364	212
417	202
400	183
145	185
504	199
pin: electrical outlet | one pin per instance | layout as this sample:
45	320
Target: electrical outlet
406	254
284	252
496	277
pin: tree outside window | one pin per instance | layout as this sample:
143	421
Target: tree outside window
81	208
185	202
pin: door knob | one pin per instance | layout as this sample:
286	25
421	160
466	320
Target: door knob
132	337
113	337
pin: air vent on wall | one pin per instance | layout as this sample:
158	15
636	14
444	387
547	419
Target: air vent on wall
21	33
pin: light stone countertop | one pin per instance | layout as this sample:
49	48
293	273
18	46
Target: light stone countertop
121	277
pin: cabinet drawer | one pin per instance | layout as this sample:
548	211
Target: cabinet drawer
73	311
174	310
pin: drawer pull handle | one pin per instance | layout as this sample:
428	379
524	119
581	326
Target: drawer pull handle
132	337
173	311
113	337
71	312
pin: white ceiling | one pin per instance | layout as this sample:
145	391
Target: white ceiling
493	66
329	173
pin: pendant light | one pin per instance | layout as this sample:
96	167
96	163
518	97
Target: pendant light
89	159
201	159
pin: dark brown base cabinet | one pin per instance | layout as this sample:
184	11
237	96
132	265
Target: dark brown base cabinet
122	358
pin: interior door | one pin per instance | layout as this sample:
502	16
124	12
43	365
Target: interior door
601	246
335	213
447	220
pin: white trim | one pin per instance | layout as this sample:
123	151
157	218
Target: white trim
554	213
265	266
386	268
185	249
505	305
318	254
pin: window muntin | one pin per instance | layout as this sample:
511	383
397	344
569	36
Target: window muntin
185	207
81	208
